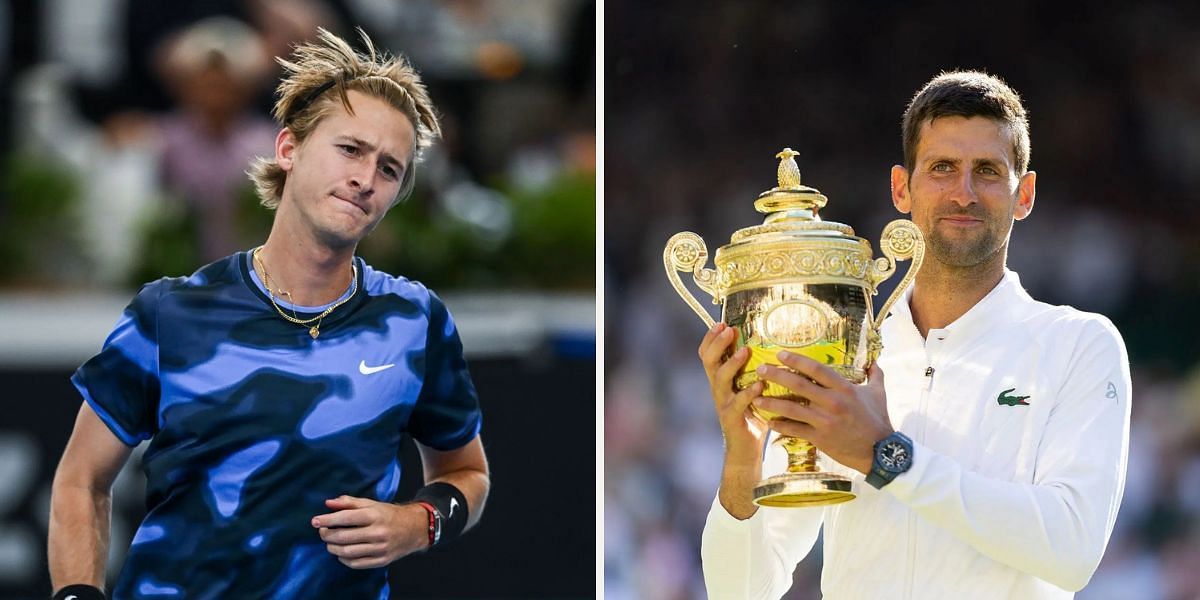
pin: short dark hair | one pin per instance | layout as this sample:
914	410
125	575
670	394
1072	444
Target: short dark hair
967	94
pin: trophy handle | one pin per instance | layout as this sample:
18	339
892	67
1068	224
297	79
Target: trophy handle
687	252
901	240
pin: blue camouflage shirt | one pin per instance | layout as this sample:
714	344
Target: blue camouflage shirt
253	424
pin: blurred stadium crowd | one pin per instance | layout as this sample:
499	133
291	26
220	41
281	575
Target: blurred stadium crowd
128	125
698	102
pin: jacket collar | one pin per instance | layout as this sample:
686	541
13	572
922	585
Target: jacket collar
987	313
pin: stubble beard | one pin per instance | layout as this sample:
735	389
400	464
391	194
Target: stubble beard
966	252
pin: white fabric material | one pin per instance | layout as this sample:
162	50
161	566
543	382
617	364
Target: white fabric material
1002	501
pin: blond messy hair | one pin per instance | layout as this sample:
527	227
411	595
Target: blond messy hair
331	63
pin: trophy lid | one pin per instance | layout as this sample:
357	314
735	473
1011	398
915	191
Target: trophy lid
791	208
789	195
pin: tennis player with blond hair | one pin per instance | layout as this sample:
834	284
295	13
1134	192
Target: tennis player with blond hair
276	384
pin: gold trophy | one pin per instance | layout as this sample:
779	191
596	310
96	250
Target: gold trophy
799	284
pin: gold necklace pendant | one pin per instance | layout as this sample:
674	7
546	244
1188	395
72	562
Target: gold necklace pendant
314	330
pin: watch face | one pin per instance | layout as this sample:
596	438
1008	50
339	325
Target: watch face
893	456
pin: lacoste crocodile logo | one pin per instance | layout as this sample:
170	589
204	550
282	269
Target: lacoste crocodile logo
1005	400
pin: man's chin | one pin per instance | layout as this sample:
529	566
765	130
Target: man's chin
339	232
961	254
337	239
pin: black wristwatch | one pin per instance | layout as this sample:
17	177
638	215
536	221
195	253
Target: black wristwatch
893	456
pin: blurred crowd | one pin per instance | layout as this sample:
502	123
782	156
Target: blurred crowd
129	125
698	102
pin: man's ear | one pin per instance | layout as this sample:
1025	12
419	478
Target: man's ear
900	197
285	149
1026	191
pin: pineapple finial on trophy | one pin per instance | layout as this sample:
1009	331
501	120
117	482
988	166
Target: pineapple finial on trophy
789	172
783	200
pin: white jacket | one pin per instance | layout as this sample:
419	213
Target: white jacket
1002	501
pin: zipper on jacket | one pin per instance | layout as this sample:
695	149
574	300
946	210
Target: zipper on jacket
932	355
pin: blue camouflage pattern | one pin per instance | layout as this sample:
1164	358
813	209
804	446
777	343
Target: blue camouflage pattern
253	425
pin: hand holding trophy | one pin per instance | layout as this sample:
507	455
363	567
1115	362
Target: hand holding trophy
803	285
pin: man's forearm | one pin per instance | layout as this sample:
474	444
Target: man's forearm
738	477
78	536
740	472
747	553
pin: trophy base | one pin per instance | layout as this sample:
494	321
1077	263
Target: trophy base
803	489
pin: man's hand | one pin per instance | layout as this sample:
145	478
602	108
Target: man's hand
367	534
743	430
841	419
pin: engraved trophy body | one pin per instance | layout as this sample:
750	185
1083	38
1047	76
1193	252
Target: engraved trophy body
799	284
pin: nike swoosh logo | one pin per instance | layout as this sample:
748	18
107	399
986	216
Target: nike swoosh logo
453	503
365	370
71	597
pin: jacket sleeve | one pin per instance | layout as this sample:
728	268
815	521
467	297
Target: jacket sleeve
755	558
1055	528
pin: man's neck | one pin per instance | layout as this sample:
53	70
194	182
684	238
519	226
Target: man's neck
943	293
312	273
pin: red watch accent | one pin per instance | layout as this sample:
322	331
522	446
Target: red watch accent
435	522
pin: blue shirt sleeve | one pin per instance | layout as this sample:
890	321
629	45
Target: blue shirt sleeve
447	414
121	383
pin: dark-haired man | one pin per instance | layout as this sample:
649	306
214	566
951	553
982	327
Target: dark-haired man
992	461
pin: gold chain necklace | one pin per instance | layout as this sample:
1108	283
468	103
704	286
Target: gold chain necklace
315	330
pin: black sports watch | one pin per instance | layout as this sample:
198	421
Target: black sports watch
893	456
